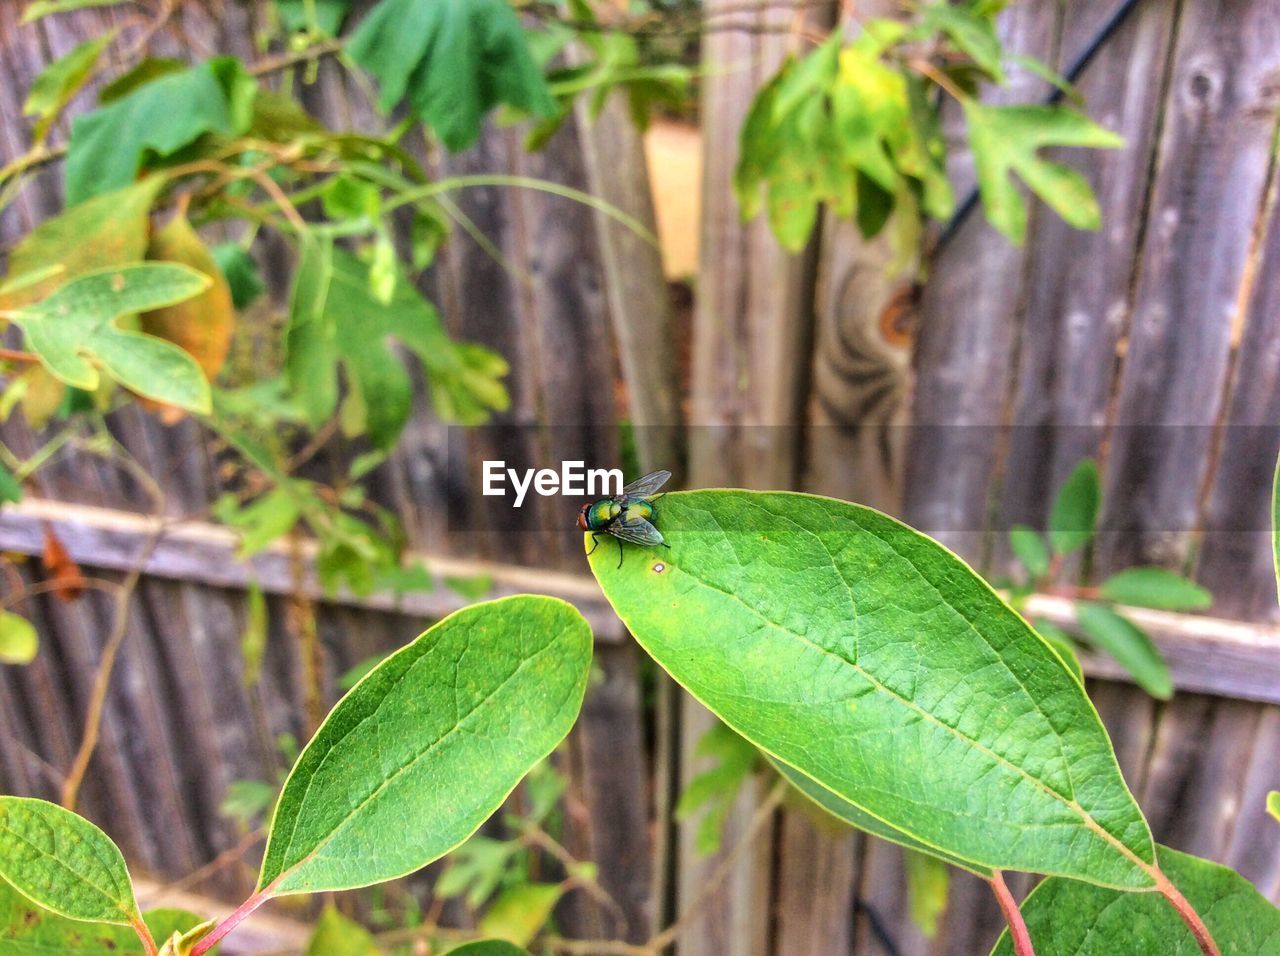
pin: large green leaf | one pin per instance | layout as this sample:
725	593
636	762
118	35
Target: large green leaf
874	661
110	145
1131	646
336	320
428	745
1155	587
74	331
1005	141
30	930
453	60
857	817
1069	918
62	862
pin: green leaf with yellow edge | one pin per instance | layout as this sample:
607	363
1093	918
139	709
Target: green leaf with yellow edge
939	711
202	325
335	320
57	83
1005	141
337	935
928	886
452	61
520	912
74	332
19	643
1070	918
30	930
108	230
1131	647
62	862
154	121
1061	642
1158	588
428	745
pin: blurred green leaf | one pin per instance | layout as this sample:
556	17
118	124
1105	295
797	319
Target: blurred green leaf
472	588
1074	515
1005	141
487	947
10	487
155	120
295	15
520	912
1128	644
713	791
336	935
248	801
43	8
352	675
1028	544
241	272
453	62
75	331
19	642
928	886
61	80
263	521
1156	588
1273	804
62	862
253	640
335	320
1070	918
972	33
476	869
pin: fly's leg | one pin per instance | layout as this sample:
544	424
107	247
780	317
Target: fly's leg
619	540
595	543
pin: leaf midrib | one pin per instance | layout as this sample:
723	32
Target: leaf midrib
404	768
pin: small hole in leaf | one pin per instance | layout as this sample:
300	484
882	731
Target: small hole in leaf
659	568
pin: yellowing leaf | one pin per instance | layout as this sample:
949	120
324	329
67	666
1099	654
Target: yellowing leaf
202	325
521	911
336	935
74	332
18	640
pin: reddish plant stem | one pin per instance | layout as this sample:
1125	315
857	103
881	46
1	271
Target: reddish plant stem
144	934
240	914
1188	914
1012	915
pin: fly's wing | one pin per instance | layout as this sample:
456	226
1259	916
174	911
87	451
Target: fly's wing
637	530
648	485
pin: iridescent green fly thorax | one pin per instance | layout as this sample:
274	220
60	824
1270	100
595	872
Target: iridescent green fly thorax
629	517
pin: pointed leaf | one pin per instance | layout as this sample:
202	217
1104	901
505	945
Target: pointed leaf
428	745
1074	515
452	61
1129	645
1028	545
972	33
1005	140
62	862
1155	587
874	661
74	331
1069	918
57	83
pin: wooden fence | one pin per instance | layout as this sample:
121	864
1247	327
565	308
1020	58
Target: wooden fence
1153	344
